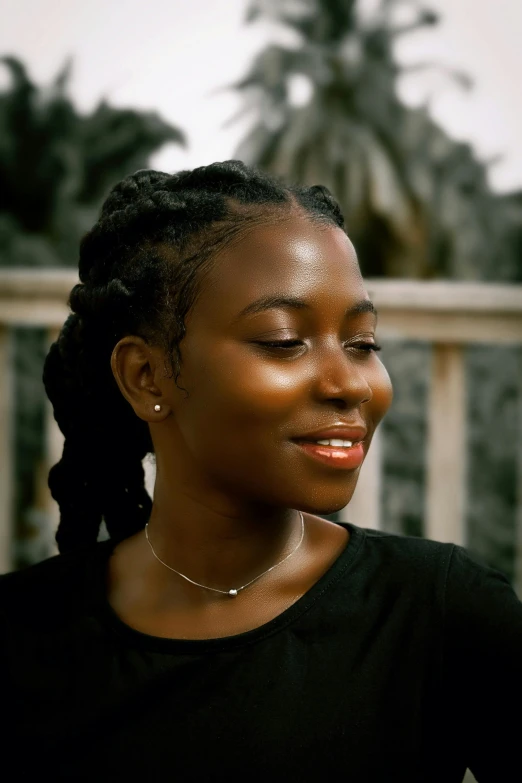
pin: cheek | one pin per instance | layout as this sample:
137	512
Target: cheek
236	416
250	392
238	399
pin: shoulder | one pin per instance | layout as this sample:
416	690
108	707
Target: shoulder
44	576
467	584
42	593
480	603
400	556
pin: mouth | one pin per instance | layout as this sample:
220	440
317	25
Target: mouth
334	452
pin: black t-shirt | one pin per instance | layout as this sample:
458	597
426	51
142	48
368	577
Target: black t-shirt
402	663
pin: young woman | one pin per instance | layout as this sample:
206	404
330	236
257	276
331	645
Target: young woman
225	631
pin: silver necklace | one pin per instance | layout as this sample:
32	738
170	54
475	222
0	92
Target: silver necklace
233	592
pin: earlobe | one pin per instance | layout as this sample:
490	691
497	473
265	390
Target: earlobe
133	365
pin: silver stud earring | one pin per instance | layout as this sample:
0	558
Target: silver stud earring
157	408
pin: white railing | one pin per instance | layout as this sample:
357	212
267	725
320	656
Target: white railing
449	315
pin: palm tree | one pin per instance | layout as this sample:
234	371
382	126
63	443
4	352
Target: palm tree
417	204
393	169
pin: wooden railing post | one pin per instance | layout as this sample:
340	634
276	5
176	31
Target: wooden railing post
54	448
46	507
364	509
446	451
6	450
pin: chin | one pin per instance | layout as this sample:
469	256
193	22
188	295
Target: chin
324	507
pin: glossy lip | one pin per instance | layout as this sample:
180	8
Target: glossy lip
337	457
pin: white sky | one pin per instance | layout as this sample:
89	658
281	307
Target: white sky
173	56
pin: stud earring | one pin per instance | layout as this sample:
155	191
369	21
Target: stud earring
157	408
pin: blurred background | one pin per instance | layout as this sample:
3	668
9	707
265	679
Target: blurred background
409	112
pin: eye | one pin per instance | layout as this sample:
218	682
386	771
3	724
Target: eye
290	344
283	344
365	347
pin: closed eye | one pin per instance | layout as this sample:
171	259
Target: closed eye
367	347
289	344
280	343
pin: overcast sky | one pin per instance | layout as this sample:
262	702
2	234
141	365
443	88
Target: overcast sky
173	56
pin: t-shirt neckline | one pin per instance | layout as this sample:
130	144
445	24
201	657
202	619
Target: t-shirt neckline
134	638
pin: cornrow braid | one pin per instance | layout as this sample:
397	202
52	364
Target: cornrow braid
140	267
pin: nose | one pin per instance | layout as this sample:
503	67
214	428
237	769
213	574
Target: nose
342	375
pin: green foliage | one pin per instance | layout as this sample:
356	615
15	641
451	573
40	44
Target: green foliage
56	165
417	203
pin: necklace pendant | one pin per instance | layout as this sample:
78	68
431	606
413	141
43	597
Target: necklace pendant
232	593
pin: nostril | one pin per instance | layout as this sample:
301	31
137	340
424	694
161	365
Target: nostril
339	402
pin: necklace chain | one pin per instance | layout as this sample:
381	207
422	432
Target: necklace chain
233	592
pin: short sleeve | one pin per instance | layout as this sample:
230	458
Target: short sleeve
482	666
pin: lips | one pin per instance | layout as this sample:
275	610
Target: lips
338	457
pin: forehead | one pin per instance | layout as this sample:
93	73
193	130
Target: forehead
297	257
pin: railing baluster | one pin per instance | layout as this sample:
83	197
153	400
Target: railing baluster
54	446
446	463
6	450
364	509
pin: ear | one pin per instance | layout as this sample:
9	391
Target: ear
138	368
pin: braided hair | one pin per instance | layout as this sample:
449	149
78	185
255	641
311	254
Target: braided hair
139	267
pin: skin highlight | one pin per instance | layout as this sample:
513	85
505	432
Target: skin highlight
230	475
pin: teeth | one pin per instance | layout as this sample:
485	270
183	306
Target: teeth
335	442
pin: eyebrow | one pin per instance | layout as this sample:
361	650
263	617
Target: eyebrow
294	303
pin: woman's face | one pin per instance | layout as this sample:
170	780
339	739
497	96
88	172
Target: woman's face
271	359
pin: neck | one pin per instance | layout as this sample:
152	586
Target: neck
222	547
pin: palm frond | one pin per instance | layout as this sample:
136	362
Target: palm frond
56	165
